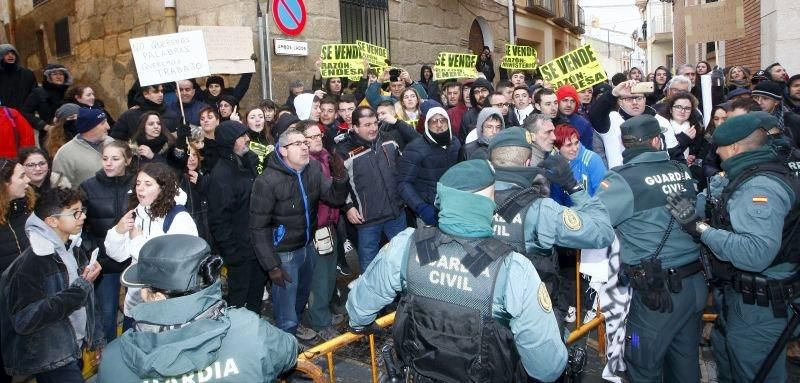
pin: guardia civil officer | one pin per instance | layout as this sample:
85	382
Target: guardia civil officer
756	251
531	222
780	142
659	259
184	331
471	309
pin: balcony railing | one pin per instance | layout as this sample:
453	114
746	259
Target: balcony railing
544	8
580	23
661	21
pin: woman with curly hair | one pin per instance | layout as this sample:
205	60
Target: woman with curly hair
157	208
683	138
151	142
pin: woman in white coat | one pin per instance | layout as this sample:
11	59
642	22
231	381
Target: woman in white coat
157	208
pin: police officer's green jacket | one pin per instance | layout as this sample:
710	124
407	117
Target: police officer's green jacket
635	196
757	210
585	225
517	297
238	346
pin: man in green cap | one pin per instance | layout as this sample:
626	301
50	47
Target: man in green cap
185	331
530	221
471	308
659	260
757	267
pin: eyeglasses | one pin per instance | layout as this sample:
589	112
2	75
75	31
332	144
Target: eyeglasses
633	98
438	121
314	137
296	144
501	104
76	214
682	108
34	165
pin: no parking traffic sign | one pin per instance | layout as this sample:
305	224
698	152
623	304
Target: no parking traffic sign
290	16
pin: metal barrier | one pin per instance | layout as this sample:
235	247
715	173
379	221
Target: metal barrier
305	359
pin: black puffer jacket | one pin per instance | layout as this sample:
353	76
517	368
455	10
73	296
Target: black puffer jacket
41	105
372	167
128	121
419	169
13	240
106	202
16	82
284	197
228	192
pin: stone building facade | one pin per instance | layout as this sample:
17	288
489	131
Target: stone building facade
90	37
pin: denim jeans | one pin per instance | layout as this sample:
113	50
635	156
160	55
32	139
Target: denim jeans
288	302
369	238
70	373
106	291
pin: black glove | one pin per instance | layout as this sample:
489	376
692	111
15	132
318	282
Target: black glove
369	329
184	132
279	276
683	209
558	171
338	170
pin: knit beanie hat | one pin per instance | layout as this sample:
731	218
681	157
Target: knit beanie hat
769	88
66	110
565	91
88	119
215	80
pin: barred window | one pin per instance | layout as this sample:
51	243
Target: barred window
365	20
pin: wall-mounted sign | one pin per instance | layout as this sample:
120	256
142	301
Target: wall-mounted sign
291	48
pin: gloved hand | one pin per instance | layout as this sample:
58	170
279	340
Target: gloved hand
338	170
369	329
427	214
683	209
279	276
558	171
716	184
184	132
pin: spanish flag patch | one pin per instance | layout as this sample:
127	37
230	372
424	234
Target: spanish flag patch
760	199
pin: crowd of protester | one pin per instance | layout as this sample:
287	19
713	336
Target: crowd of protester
281	189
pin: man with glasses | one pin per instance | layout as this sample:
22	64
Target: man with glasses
283	218
613	108
47	301
374	206
424	161
490	122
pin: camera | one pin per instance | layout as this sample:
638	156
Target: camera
394	75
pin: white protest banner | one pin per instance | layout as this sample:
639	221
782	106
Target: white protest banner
170	57
229	48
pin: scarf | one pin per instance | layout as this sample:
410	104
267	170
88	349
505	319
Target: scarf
454	219
736	164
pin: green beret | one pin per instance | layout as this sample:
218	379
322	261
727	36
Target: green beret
768	121
640	128
735	129
469	176
515	136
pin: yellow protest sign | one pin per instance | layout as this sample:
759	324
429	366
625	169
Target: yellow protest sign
455	65
580	68
341	60
376	55
519	57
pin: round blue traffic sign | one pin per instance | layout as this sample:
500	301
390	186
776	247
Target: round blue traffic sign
290	16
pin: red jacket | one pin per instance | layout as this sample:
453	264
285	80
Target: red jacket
15	133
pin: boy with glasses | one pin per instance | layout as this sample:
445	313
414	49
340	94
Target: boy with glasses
47	300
